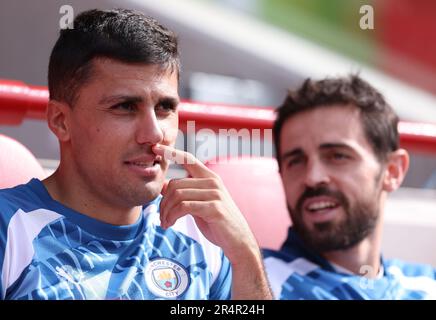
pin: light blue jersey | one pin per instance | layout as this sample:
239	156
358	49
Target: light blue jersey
49	251
297	273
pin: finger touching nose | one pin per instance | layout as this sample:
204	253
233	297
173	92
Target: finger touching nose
192	165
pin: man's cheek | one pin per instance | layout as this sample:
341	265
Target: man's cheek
170	135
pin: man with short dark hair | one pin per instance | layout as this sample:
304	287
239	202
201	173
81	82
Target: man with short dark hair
98	228
338	153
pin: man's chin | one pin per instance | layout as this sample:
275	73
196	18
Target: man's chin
319	236
328	239
327	227
139	194
153	189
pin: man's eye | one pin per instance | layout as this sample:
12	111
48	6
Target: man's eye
125	106
165	106
293	162
339	156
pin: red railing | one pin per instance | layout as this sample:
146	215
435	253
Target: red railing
19	101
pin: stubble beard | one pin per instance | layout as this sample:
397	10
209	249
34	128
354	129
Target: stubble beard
358	222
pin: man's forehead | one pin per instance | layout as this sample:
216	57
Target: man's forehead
324	121
332	125
111	77
113	69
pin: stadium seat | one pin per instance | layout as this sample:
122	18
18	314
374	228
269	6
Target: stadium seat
17	163
255	185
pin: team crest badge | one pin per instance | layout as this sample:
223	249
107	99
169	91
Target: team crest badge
166	278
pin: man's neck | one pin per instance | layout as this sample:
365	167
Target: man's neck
77	197
362	259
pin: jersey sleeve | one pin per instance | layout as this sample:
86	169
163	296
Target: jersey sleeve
5	217
2	255
221	289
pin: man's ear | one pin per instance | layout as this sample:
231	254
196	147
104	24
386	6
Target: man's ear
396	169
58	118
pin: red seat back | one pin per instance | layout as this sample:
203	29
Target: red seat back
255	185
17	163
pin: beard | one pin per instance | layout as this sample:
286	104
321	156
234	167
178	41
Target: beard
358	222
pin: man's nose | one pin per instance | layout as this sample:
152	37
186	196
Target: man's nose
316	174
149	130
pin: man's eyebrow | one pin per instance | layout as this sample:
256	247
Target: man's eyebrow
170	100
330	145
136	99
336	145
292	153
120	97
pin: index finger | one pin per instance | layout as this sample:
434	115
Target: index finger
192	165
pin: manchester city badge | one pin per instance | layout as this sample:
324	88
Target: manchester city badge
166	278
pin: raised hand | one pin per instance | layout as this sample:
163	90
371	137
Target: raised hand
204	196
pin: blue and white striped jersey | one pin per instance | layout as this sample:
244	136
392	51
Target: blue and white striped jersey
297	273
49	251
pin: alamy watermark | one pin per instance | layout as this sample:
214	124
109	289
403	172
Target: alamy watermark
67	19
367	19
368	274
222	145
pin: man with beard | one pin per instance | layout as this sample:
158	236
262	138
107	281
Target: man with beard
339	157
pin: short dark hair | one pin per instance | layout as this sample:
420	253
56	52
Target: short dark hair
379	121
121	34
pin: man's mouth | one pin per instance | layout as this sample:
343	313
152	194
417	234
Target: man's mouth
320	209
145	162
145	166
321	205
